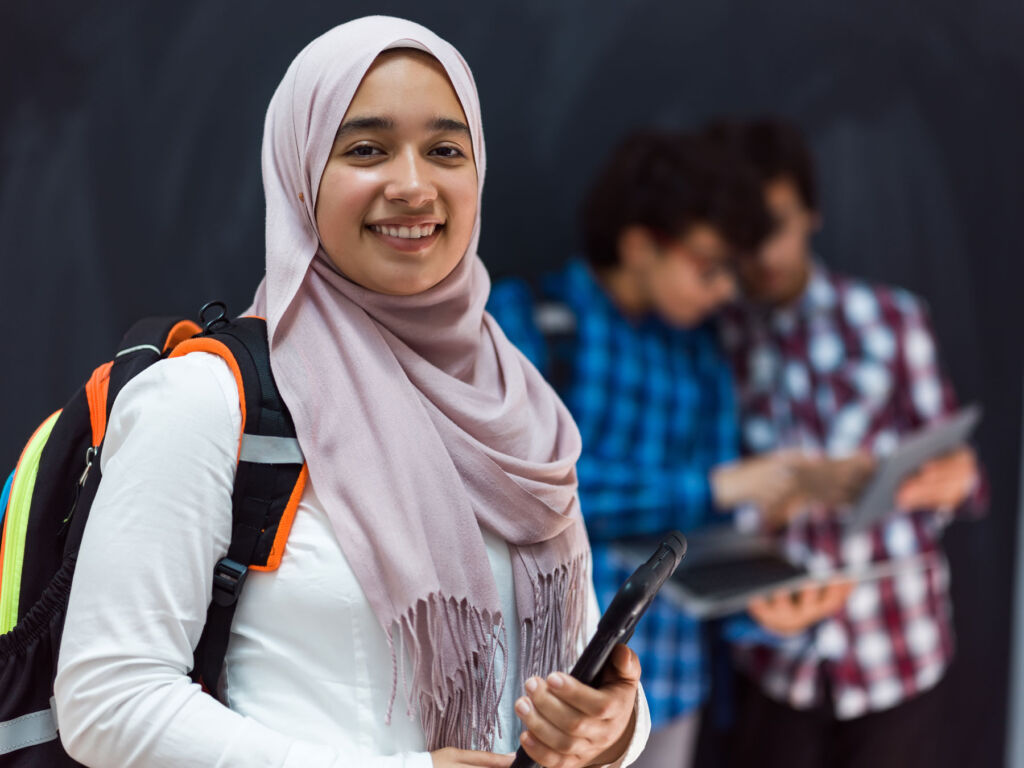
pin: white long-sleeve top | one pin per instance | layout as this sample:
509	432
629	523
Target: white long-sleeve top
308	671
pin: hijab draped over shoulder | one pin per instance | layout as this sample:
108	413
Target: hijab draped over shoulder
421	424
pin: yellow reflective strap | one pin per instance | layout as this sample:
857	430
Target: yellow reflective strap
16	523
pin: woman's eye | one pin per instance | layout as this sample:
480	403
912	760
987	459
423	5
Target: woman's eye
448	153
364	150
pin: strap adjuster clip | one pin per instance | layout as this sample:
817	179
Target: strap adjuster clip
228	579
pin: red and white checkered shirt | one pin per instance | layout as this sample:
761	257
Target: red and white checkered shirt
850	366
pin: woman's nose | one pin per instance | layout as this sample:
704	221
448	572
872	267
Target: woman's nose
410	182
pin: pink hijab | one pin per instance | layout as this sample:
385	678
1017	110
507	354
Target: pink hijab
421	424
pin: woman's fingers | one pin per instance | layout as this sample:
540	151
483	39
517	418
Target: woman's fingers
590	701
549	735
625	666
543	754
568	723
555	712
487	759
465	758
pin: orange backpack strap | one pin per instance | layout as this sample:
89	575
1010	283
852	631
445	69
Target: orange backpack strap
269	482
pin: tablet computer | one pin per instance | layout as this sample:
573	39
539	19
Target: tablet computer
723	570
878	500
730	569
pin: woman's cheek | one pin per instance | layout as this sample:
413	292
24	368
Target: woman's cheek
347	193
466	210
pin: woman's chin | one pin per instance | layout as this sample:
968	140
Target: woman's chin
405	285
401	281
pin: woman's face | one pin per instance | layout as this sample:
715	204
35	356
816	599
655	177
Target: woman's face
398	195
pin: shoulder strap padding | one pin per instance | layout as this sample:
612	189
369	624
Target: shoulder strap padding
266	483
269	482
159	333
145	343
224	352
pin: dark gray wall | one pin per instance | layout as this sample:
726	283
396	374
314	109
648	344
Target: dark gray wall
129	183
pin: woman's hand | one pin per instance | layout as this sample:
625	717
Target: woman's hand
465	758
570	725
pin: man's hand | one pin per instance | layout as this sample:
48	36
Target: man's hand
465	758
789	613
833	482
818	480
942	483
571	725
763	481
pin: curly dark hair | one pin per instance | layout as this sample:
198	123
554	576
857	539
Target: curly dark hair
670	182
775	148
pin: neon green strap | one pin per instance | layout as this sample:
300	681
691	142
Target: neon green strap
16	524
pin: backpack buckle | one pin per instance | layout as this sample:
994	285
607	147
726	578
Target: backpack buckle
228	579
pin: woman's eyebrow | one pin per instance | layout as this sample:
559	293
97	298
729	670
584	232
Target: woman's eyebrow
448	124
438	124
365	124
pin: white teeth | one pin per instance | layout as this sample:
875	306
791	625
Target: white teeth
407	233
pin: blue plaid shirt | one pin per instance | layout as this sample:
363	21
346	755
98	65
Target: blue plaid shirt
655	406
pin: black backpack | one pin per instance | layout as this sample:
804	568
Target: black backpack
46	501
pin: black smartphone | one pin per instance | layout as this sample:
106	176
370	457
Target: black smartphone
618	622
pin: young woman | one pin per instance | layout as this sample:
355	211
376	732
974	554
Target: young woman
439	529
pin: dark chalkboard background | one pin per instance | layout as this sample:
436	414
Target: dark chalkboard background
129	183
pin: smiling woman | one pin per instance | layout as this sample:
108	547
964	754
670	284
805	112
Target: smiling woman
437	549
398	196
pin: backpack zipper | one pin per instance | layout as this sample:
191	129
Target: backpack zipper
90	455
96	390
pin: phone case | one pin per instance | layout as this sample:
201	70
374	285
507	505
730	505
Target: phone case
618	622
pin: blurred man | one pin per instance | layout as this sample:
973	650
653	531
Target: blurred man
841	369
621	334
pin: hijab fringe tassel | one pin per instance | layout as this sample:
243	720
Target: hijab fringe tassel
458	704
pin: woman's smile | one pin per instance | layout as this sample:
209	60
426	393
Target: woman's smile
408	236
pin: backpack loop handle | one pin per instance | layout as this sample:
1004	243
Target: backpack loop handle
211	325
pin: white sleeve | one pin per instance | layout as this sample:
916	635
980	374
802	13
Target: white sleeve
642	729
160	522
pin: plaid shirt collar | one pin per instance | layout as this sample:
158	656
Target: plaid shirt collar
818	298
